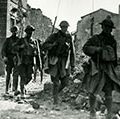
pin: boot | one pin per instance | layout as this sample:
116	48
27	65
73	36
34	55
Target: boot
92	102
7	83
63	84
55	94
108	103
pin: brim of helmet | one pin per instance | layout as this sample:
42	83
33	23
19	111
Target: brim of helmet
108	25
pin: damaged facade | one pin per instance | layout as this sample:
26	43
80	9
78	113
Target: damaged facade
10	15
8	18
84	28
42	24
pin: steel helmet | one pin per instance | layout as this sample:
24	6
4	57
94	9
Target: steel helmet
29	28
108	22
64	23
14	29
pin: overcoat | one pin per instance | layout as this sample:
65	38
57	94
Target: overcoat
101	64
60	49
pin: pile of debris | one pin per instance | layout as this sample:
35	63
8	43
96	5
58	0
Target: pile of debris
74	95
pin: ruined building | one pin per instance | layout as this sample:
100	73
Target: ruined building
42	23
8	18
84	28
11	13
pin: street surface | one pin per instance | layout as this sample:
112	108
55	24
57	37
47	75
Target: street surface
12	109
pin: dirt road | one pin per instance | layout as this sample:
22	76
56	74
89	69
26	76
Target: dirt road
10	109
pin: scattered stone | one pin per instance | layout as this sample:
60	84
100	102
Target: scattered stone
81	99
73	95
55	108
30	110
20	102
65	90
77	81
102	109
7	117
35	105
116	96
115	107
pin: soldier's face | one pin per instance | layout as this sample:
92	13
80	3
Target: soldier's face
14	33
29	34
107	29
64	28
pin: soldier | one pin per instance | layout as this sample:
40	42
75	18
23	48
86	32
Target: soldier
8	55
26	52
100	75
61	58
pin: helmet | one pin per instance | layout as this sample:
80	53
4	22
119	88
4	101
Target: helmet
14	29
108	22
64	23
29	28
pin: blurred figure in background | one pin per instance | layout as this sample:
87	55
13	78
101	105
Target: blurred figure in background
8	55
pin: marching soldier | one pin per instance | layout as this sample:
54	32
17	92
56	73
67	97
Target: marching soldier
100	75
8	55
61	58
26	52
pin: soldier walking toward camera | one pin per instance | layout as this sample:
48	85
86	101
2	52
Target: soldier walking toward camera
8	55
61	58
100	75
26	53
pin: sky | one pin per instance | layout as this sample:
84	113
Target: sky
72	10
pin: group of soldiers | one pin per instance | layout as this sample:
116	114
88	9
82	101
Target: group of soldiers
18	55
100	76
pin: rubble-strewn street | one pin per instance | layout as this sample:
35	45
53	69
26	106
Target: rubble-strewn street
75	43
10	109
38	104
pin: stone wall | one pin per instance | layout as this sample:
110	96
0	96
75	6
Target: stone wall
3	19
42	24
84	28
35	17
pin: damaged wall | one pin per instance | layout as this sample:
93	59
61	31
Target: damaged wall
35	17
84	30
42	24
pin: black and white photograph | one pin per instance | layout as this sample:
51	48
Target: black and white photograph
59	59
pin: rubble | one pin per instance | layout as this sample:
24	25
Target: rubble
72	94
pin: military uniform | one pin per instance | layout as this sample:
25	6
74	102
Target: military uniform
59	46
100	75
26	53
8	55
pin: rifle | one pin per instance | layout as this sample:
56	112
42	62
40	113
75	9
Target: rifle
54	25
68	60
46	67
40	62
